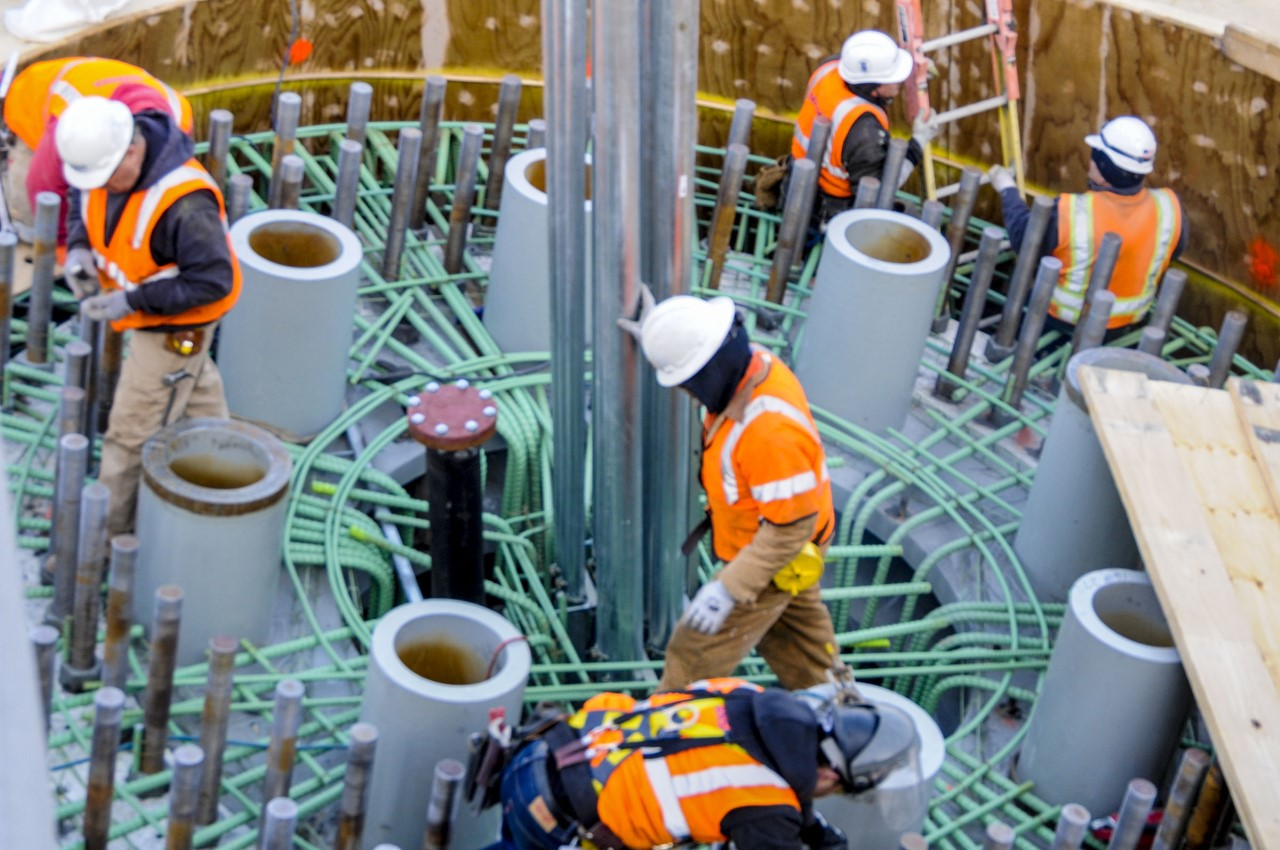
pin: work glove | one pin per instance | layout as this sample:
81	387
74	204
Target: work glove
925	128
1001	178
632	326
107	307
80	273
709	608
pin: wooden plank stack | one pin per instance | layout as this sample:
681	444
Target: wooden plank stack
1198	471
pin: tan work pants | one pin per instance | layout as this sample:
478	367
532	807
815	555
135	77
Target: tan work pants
142	406
792	633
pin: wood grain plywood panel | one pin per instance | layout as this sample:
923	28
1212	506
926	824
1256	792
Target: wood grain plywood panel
1177	538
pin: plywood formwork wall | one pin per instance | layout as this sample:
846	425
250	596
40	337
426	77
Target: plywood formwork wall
1081	61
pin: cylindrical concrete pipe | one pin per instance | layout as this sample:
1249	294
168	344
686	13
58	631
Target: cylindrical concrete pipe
1074	520
211	513
899	803
277	353
869	315
1114	696
517	310
436	668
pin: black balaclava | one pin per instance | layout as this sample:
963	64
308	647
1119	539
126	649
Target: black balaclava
714	383
864	91
1114	174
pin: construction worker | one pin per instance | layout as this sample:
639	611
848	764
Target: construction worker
854	90
768	498
36	100
155	225
721	760
1149	222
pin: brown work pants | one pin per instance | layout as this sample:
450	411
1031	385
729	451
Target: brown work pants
143	405
792	633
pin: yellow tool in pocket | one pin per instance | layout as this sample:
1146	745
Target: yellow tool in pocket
803	572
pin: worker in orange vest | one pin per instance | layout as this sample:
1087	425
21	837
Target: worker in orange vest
1149	222
854	91
41	93
153	223
769	504
721	760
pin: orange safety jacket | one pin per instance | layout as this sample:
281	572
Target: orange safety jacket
1149	223
664	770
770	466
828	95
126	262
45	89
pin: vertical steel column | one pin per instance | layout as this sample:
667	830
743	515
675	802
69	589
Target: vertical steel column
110	354
616	429
347	184
81	665
289	194
564	55
215	158
891	177
115	648
1001	344
974	300
279	822
1177	808
410	148
744	116
213	724
1024	355
1167	298
184	789
72	466
444	796
108	706
966	197
667	204
429	125
8	247
535	134
164	651
288	111
503	129
1072	824
44	256
239	189
1229	336
45	641
1094	329
726	211
464	194
791	232
362	745
1099	277
359	101
1138	798
286	717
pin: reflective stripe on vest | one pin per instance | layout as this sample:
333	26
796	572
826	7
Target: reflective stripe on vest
828	95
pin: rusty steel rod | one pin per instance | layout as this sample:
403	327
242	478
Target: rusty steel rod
44	257
1001	343
45	641
725	213
429	124
410	148
184	788
361	747
1182	796
115	647
444	796
213	724
71	467
957	228
464	194
8	264
1104	264
81	665
795	220
108	707
974	301
282	750
503	130
164	650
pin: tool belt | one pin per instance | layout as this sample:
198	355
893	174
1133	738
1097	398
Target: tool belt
185	342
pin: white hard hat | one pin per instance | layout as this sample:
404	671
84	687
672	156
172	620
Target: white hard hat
873	57
682	333
93	135
1128	142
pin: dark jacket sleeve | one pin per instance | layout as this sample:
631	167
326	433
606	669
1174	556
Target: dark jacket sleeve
77	235
1016	217
190	234
764	828
865	149
1182	236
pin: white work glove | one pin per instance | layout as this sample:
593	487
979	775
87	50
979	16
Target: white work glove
925	128
107	307
1001	178
632	326
709	608
80	273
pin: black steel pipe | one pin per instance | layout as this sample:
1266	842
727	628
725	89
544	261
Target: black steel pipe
164	651
214	717
282	750
1182	796
44	639
795	221
974	301
115	646
429	125
279	822
1104	264
1001	344
184	789
455	500
8	261
957	228
1229	337
725	213
106	374
464	194
410	148
445	789
289	197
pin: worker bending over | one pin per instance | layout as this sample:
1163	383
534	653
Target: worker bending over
854	91
768	498
722	760
152	222
37	98
1149	222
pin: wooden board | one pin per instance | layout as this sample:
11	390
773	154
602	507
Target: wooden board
1209	532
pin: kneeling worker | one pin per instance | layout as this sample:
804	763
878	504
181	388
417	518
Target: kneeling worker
722	760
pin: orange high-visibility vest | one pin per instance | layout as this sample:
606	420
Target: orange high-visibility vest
828	95
770	466
1149	223
655	784
126	262
44	89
